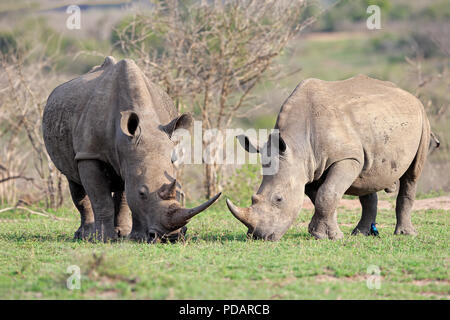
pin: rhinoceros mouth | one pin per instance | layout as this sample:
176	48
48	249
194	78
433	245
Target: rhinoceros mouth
154	236
174	223
256	229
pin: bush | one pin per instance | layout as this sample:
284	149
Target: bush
243	184
436	11
129	26
8	44
400	12
396	46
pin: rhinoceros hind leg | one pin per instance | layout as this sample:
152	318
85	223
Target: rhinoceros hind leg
403	208
369	214
122	214
339	178
97	186
83	204
408	185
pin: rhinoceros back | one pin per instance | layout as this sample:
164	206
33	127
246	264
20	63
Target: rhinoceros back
372	121
80	116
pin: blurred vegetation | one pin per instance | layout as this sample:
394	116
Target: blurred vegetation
38	39
348	12
243	184
8	44
155	41
435	11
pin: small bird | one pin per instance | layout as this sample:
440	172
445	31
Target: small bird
373	230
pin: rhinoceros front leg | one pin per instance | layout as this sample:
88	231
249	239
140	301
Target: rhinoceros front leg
340	177
83	204
311	192
122	214
97	187
369	205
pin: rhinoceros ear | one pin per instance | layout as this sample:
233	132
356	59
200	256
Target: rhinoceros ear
129	123
184	121
278	142
246	144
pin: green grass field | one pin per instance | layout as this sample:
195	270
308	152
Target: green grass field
218	262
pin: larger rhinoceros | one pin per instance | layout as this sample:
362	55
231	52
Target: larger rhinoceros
356	136
109	132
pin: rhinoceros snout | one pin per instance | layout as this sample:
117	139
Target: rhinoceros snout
171	237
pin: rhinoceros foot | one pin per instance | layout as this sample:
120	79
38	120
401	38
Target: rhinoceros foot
405	230
364	230
323	229
85	232
122	231
103	232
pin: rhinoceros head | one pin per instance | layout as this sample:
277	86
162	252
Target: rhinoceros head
145	152
276	204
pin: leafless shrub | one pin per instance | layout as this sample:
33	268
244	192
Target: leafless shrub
24	88
209	57
427	75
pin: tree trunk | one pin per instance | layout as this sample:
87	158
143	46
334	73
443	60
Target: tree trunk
211	180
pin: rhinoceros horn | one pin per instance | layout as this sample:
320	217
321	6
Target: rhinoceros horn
244	215
168	191
182	215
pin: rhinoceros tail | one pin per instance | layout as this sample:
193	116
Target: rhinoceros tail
434	143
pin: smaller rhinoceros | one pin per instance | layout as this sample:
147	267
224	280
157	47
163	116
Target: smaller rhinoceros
355	136
109	132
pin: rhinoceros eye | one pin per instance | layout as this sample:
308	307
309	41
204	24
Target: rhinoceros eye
278	198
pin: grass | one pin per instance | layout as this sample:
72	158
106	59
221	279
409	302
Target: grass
217	262
431	194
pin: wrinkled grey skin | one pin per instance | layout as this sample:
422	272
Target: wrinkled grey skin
434	144
108	132
356	136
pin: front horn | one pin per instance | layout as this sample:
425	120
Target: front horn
182	215
244	215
